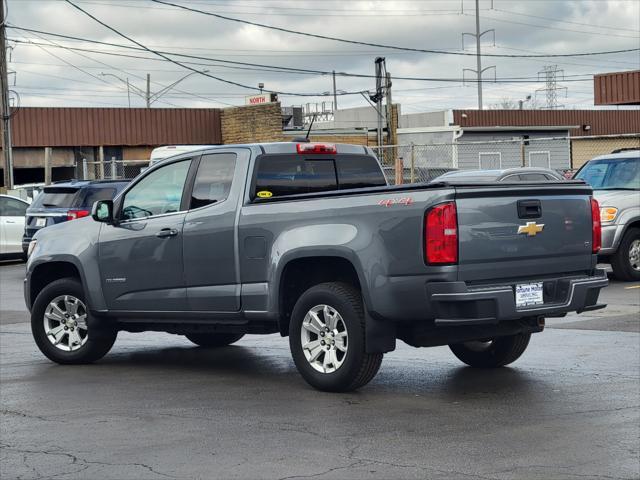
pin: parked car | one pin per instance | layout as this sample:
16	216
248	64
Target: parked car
615	179
308	240
523	174
12	212
420	174
67	200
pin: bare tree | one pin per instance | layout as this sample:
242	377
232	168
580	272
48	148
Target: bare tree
507	103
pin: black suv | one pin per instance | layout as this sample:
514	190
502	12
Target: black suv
64	201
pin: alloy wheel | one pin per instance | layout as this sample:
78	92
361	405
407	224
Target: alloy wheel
65	323
324	338
634	255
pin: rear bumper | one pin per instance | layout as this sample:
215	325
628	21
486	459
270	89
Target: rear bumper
456	303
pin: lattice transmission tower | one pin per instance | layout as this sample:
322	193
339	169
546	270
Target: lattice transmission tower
551	73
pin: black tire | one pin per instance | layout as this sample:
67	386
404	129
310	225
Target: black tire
214	340
620	261
498	352
358	367
100	338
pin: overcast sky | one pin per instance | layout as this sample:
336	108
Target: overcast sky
54	76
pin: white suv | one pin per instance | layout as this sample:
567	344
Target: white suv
615	179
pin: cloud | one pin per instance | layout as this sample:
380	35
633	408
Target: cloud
45	76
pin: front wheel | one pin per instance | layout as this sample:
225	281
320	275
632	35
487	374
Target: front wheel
626	261
214	340
492	353
327	338
61	328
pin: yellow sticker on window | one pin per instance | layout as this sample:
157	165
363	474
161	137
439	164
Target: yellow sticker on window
265	194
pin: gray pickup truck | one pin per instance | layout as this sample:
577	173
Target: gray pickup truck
307	240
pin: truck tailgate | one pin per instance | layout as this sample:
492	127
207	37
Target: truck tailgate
517	231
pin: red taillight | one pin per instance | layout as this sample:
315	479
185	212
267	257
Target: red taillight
596	227
74	214
441	234
316	148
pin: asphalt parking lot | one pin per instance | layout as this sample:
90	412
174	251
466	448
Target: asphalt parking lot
159	407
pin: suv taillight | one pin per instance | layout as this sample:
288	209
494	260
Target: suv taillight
441	234
596	227
74	214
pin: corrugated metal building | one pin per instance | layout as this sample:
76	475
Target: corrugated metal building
585	122
75	134
619	88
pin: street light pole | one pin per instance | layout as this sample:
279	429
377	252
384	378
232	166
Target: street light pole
335	96
148	90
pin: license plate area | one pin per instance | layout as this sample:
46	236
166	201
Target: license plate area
529	294
41	221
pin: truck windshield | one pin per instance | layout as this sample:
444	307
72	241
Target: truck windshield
612	174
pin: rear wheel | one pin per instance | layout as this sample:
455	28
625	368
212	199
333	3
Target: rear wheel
214	340
327	338
626	261
492	353
62	328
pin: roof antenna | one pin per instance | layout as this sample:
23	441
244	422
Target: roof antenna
305	139
311	125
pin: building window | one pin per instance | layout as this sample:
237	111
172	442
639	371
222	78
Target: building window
540	159
489	160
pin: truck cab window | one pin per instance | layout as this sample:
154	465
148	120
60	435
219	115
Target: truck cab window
213	180
158	193
293	174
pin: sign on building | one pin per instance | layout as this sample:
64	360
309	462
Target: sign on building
260	99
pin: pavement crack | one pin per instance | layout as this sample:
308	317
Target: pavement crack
320	474
16	413
75	460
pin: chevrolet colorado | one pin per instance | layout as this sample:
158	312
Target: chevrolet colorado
308	240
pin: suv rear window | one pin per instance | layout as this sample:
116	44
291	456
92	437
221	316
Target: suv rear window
280	175
55	197
92	195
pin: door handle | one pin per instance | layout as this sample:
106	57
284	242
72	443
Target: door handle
167	232
529	209
11	221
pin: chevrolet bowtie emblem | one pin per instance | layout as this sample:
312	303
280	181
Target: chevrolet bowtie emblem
531	228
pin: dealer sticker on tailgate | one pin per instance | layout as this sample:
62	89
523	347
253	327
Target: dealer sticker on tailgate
529	294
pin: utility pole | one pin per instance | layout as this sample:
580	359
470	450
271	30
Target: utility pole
5	109
478	55
148	90
389	108
380	62
479	70
335	96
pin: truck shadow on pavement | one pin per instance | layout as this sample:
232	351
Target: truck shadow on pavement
258	366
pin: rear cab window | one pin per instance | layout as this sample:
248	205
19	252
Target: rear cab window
55	197
280	175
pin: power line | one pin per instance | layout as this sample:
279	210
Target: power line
550	27
608	27
280	69
169	59
379	45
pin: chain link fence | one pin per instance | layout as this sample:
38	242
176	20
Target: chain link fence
416	163
112	169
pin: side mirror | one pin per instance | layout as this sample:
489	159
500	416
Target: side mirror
102	211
